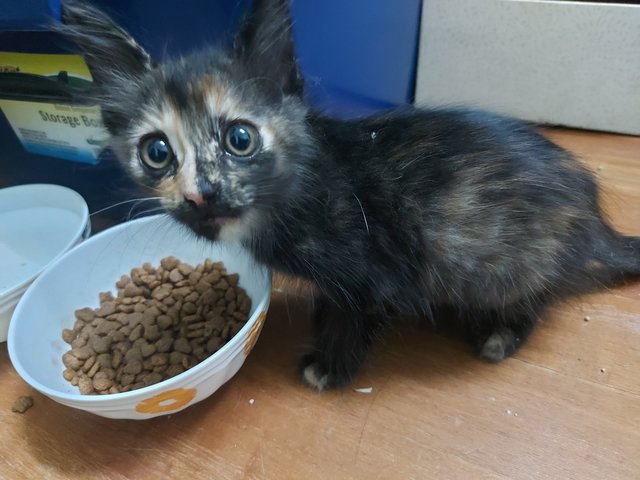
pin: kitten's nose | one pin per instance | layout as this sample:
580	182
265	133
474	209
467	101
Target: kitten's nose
194	199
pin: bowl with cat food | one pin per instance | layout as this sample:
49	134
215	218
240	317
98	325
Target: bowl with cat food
141	320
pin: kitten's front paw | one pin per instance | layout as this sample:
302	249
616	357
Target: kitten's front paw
318	377
500	345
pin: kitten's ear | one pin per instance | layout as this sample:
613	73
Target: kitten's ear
265	45
108	49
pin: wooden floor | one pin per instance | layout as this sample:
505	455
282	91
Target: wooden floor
567	406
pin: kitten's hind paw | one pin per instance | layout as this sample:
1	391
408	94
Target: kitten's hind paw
318	377
500	345
313	376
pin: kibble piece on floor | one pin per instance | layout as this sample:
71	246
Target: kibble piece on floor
22	404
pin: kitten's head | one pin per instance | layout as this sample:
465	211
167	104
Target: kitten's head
218	135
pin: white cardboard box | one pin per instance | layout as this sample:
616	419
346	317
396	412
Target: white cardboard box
557	62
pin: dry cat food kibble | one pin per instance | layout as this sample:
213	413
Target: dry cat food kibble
163	321
22	404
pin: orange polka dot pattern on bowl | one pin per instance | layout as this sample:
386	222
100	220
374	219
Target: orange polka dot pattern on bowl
254	333
167	401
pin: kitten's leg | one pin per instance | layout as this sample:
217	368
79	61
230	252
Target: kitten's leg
342	338
497	335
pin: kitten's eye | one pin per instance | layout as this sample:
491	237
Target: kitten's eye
241	140
155	152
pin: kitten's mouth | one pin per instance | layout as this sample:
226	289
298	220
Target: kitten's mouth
219	221
210	227
207	224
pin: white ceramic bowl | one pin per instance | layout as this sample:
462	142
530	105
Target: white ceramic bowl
38	223
74	281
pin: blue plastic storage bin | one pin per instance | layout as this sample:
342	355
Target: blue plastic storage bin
358	56
28	14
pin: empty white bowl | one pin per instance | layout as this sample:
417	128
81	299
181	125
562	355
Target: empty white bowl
38	223
74	281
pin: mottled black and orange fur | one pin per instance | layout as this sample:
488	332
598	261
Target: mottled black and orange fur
401	213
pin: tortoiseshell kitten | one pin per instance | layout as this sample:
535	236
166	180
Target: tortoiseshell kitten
398	213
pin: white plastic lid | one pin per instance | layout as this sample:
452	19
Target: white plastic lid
38	223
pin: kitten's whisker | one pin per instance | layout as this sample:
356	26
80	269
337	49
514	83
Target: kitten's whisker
133	207
366	224
146	212
124	202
